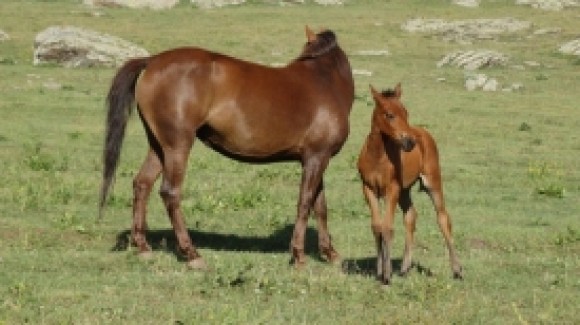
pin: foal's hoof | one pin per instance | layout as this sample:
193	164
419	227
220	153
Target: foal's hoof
197	264
145	255
457	272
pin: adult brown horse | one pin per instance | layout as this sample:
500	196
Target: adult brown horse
394	156
246	111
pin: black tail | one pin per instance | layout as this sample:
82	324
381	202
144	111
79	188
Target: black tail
120	102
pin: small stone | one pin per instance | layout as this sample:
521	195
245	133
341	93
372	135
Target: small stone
359	72
490	85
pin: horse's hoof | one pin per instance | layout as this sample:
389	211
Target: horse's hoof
197	264
385	282
458	273
298	264
332	258
145	255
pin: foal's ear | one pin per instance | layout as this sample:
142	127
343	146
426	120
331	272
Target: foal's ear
376	95
398	90
310	35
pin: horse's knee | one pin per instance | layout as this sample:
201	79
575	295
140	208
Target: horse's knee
377	229
141	186
170	195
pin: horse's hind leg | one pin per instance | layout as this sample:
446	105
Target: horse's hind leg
409	218
324	242
142	184
434	189
174	166
312	169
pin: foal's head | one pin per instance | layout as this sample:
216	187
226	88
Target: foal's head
390	117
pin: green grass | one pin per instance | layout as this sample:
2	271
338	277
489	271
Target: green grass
510	166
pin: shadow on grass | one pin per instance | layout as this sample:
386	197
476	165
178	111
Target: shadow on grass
368	267
279	241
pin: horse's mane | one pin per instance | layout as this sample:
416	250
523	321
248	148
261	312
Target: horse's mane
325	41
388	93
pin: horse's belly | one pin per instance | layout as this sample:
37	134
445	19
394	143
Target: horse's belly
249	145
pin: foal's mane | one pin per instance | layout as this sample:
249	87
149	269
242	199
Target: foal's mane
388	93
325	41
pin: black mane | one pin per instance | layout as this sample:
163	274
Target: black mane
325	41
388	93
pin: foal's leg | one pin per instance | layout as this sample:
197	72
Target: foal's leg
142	184
435	191
409	218
324	242
174	167
312	169
377	229
392	199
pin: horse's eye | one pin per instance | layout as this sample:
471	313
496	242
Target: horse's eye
389	116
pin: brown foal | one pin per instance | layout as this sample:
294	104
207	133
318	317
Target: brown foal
394	156
246	111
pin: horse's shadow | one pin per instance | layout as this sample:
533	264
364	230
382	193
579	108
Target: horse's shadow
278	241
367	266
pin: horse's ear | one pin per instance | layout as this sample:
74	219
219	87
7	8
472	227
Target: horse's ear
310	35
398	90
375	93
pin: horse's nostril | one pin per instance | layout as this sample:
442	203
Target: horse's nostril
408	144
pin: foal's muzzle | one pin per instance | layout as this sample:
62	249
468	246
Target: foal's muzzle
407	143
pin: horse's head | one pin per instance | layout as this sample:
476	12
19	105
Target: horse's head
390	117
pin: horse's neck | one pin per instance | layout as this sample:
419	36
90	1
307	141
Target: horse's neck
380	146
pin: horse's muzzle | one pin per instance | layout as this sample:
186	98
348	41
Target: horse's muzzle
407	143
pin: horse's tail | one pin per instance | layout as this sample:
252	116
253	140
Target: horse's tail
120	102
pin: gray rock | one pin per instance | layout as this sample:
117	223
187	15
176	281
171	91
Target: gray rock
532	64
150	4
553	5
571	48
362	72
329	2
372	53
490	85
473	60
517	86
466	30
474	82
548	31
4	36
209	4
76	47
467	3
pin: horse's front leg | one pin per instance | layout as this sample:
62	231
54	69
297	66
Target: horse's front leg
327	252
311	185
376	228
142	185
409	219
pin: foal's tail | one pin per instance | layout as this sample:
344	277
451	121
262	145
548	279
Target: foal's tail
120	102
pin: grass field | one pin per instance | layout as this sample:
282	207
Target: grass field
510	166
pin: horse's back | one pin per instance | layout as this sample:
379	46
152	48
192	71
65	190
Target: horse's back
248	110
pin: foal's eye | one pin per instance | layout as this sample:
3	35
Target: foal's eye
389	116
